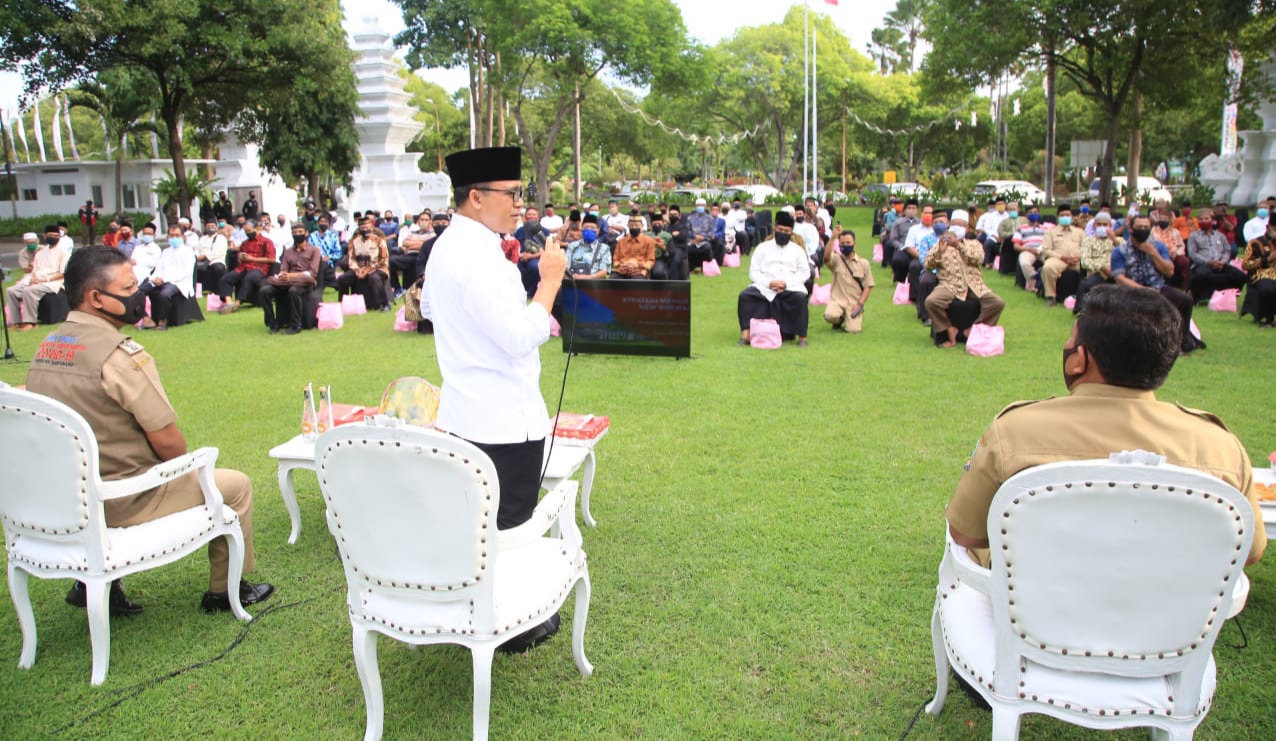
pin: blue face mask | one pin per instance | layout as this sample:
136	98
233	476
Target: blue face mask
147	239
589	235
940	227
1034	218
1262	213
1085	209
1013	214
1065	221
174	241
699	209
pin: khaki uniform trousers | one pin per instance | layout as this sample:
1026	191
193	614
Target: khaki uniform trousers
1051	271
184	493
836	312
990	306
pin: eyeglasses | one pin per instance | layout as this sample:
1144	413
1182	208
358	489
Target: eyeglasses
514	193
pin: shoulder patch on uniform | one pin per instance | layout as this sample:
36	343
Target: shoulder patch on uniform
130	346
1208	416
1019	404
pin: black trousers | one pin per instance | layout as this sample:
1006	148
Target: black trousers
518	471
888	254
1264	291
699	254
1206	280
900	263
530	272
245	285
403	270
926	283
209	275
673	266
372	287
789	309
162	298
992	247
1009	257
914	280
294	296
1183	302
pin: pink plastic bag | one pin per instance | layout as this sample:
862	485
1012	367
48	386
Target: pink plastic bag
996	263
353	304
1224	300
1070	303
330	316
711	268
764	334
555	329
985	341
1195	330
199	290
877	252
214	302
732	260
901	294
401	323
820	295
1238	265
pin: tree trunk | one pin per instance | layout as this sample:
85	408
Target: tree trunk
173	121
312	185
1051	78
1107	164
119	184
500	104
575	142
1135	161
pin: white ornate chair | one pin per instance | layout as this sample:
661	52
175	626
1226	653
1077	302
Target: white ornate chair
54	527
413	512
1109	583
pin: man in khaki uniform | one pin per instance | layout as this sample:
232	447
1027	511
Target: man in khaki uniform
1061	250
1121	349
852	282
958	264
112	382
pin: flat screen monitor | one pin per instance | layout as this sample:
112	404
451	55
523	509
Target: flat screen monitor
626	317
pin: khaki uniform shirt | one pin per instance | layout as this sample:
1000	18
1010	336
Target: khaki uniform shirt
1094	421
112	382
1061	242
847	290
959	268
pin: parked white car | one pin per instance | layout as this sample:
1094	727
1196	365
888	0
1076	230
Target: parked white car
1022	189
910	190
1150	189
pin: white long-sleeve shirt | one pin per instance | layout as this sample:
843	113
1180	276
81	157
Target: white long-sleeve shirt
771	262
487	337
177	266
146	258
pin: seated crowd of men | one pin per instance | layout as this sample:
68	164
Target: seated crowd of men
1186	258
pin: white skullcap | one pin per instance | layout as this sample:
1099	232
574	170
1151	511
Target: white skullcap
30	237
700	202
962	214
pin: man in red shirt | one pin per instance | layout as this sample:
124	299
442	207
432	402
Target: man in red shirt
1224	222
256	255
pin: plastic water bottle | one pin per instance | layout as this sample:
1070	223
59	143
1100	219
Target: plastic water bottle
308	414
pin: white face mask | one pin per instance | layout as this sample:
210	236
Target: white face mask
957	231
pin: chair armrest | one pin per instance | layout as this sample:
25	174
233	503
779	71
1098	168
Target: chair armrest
549	511
160	474
965	568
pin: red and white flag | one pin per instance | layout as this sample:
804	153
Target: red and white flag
831	2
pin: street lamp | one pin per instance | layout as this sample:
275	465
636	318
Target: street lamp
438	132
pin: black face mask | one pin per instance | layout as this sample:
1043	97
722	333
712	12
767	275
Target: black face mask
438	230
635	232
1163	224
365	232
1140	235
52	241
847	250
249	234
782	239
134	307
298	239
323	227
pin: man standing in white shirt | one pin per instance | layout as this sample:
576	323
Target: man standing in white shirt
487	336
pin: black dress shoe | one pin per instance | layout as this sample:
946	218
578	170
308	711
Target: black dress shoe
274	330
119	602
524	642
293	330
249	594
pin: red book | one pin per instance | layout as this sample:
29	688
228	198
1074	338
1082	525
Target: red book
580	426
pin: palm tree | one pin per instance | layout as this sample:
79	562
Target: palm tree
887	48
124	106
198	184
907	19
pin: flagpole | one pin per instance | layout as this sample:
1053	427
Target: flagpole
806	93
815	111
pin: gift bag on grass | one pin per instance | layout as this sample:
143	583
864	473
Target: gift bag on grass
555	329
986	341
764	334
996	263
402	323
214	303
711	268
1224	300
877	252
820	295
330	316
353	304
1070	303
731	260
901	293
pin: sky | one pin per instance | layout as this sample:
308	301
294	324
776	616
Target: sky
710	21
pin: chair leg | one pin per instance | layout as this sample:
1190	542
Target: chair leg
936	706
365	661
235	571
98	593
586	486
1005	724
482	689
26	616
581	616
1170	734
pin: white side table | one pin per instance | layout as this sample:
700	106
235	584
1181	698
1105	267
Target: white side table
564	463
1265	475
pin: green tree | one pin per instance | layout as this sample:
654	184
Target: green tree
908	19
124	104
194	51
449	133
888	49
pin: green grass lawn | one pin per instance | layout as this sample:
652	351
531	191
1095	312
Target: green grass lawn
770	524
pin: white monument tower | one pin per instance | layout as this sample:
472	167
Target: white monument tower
1243	178
387	177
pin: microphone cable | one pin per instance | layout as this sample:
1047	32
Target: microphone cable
571	338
